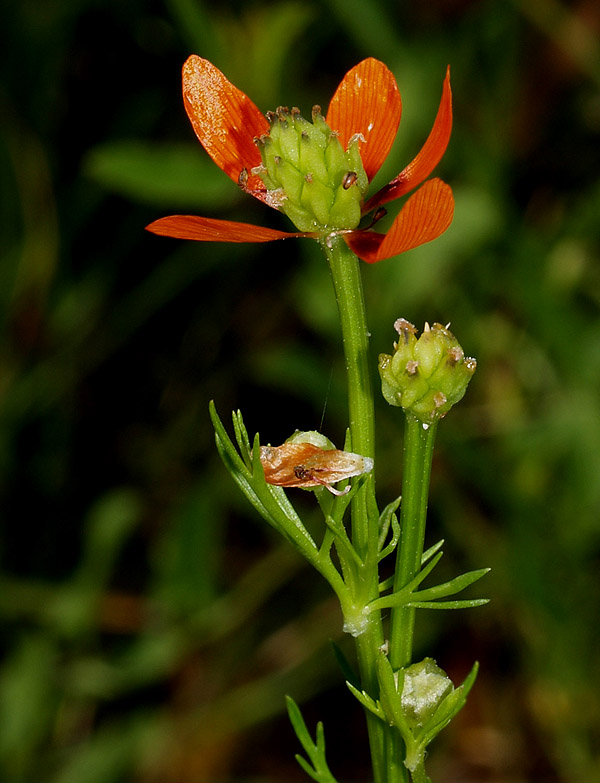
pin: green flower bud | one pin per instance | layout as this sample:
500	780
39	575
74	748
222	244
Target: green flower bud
425	376
313	180
311	436
425	687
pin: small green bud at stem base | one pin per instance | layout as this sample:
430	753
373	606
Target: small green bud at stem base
425	686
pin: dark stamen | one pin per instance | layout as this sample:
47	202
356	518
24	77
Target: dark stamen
378	214
350	179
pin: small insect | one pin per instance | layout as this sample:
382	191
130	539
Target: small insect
301	463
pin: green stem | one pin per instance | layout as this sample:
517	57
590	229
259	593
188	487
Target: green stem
418	453
345	272
419	775
347	283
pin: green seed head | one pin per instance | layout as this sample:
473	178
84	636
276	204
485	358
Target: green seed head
318	184
427	375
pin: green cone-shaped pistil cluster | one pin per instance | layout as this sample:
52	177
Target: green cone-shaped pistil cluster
427	375
309	176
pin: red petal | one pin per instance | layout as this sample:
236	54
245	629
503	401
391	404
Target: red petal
425	216
213	230
426	160
224	118
367	101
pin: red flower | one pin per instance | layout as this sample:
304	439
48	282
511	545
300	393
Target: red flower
367	102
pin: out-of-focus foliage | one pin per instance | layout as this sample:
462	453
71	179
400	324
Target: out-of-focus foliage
150	624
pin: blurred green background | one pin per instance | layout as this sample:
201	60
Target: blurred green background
151	624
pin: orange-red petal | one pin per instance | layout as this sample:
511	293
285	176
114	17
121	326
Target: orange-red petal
368	102
212	230
224	119
426	160
425	216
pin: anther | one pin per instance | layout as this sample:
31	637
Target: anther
455	355
349	179
404	328
377	215
439	399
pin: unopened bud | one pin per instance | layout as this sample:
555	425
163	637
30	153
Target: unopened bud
426	376
425	687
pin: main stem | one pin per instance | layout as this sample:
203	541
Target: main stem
419	440
347	284
345	272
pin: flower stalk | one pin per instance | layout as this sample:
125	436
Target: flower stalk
318	174
419	439
347	284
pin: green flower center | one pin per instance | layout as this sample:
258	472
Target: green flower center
309	176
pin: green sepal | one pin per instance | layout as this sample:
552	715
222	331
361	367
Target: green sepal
317	768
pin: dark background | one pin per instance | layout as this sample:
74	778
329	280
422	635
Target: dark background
151	623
